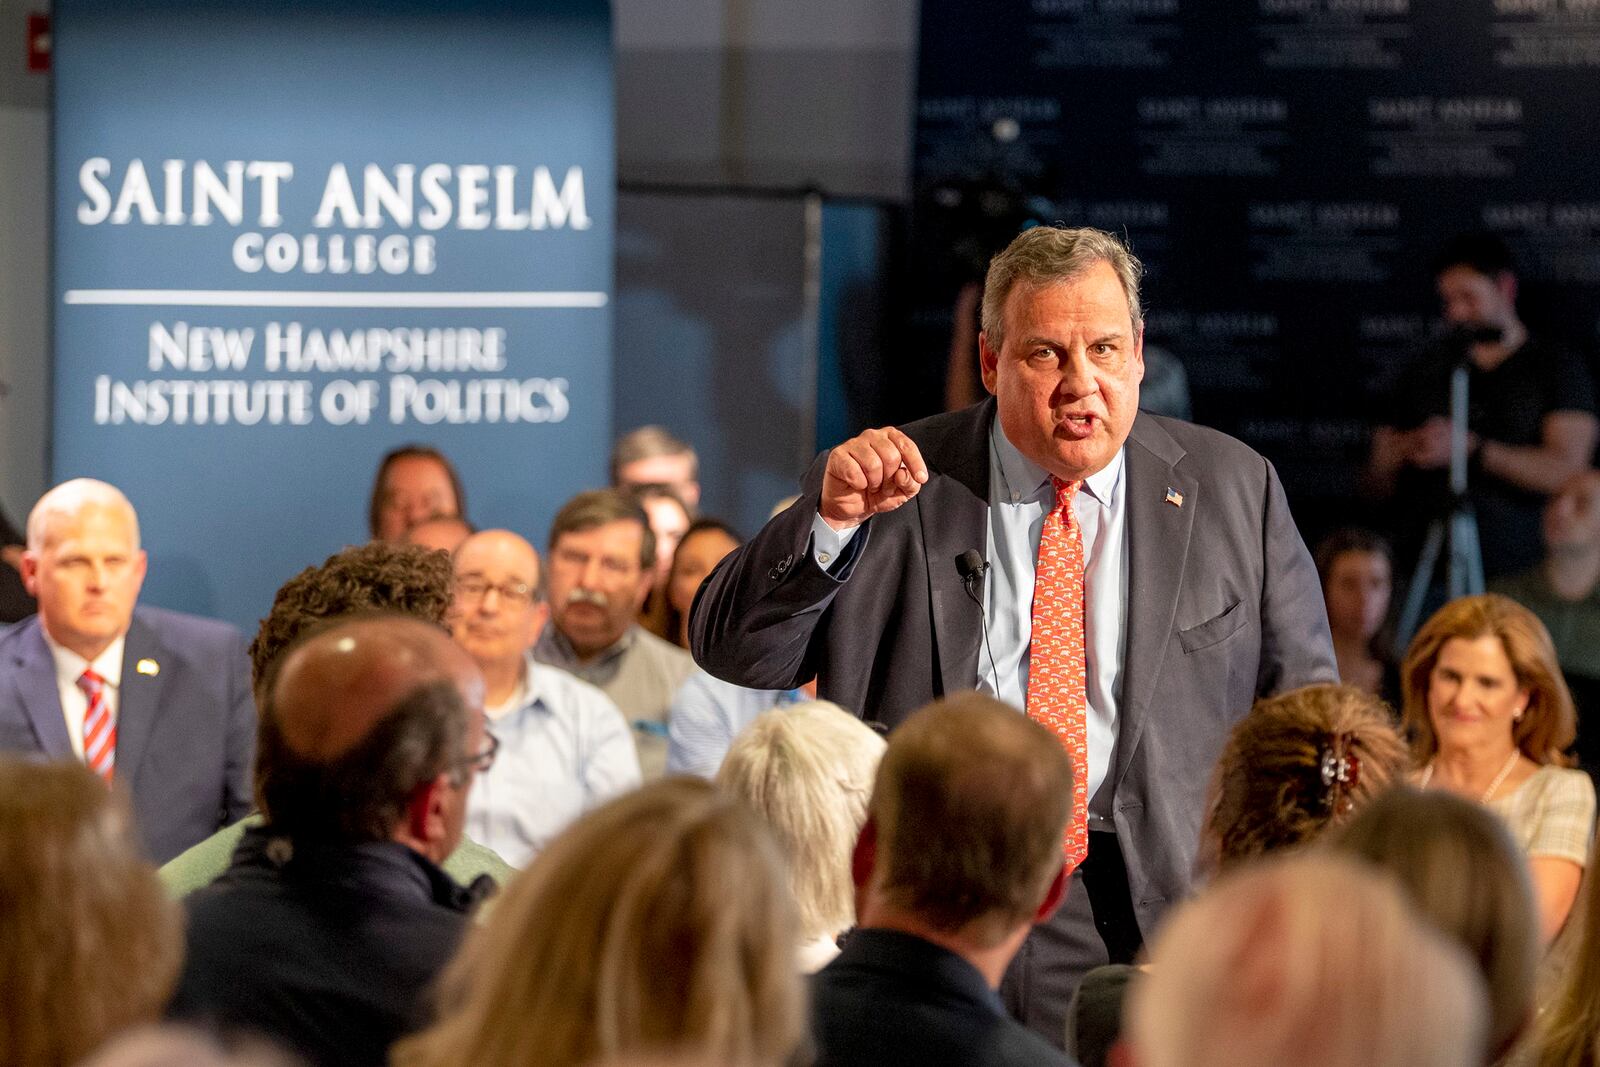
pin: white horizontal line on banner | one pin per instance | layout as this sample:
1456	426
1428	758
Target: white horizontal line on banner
297	298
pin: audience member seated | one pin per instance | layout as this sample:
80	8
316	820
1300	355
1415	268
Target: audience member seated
443	533
377	577
657	927
1532	422
700	549
1465	875
1356	568
1310	960
563	745
1490	718
154	700
807	770
414	483
651	455
15	603
1566	1032
1295	766
334	916
669	519
89	944
1564	591
961	854
602	561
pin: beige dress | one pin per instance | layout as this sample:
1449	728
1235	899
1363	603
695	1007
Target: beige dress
1551	814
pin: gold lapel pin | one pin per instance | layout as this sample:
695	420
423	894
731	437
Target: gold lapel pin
148	666
1174	497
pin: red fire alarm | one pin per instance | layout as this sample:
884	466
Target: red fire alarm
38	42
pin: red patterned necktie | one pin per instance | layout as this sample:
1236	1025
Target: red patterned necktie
1058	676
99	727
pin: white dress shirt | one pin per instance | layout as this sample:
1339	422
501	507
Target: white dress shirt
564	748
1020	495
69	668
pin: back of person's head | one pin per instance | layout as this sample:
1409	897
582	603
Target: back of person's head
968	814
1468	878
89	942
807	769
1567	1031
381	576
358	716
657	924
1313	960
1295	765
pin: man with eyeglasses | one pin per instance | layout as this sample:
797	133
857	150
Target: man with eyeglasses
335	918
564	746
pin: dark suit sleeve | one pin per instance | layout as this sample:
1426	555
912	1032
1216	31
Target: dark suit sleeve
1296	647
239	771
754	617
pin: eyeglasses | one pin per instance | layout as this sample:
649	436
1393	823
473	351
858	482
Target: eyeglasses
481	763
519	594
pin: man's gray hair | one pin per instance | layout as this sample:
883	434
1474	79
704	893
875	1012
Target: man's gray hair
1050	255
68	499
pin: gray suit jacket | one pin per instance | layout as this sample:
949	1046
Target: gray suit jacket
1223	606
185	735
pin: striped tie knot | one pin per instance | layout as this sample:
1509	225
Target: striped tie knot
91	684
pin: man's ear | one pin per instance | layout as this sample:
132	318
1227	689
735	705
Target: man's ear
425	821
1506	282
988	362
1053	896
30	573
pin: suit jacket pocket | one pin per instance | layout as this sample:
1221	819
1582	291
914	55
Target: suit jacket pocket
1213	631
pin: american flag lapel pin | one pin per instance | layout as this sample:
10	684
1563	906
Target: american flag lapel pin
1174	497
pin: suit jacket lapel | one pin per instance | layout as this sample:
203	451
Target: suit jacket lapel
1158	548
953	508
35	678
139	702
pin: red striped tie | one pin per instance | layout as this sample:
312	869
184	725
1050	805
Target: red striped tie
1058	676
99	727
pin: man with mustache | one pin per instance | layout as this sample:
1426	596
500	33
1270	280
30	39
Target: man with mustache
563	745
1134	582
602	564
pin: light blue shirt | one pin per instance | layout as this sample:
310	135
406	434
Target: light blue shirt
707	714
1020	495
563	750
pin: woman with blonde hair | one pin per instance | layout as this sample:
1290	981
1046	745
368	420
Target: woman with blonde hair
1567	1034
807	769
1458	864
89	942
657	925
1295	765
1490	719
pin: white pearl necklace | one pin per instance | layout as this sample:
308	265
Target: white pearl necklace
1499	779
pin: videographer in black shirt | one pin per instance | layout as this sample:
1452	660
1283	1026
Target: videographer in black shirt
1531	422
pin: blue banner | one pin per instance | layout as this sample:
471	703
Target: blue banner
289	237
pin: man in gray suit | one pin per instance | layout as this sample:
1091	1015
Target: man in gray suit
906	571
153	701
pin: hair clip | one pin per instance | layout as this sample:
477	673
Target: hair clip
1340	770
